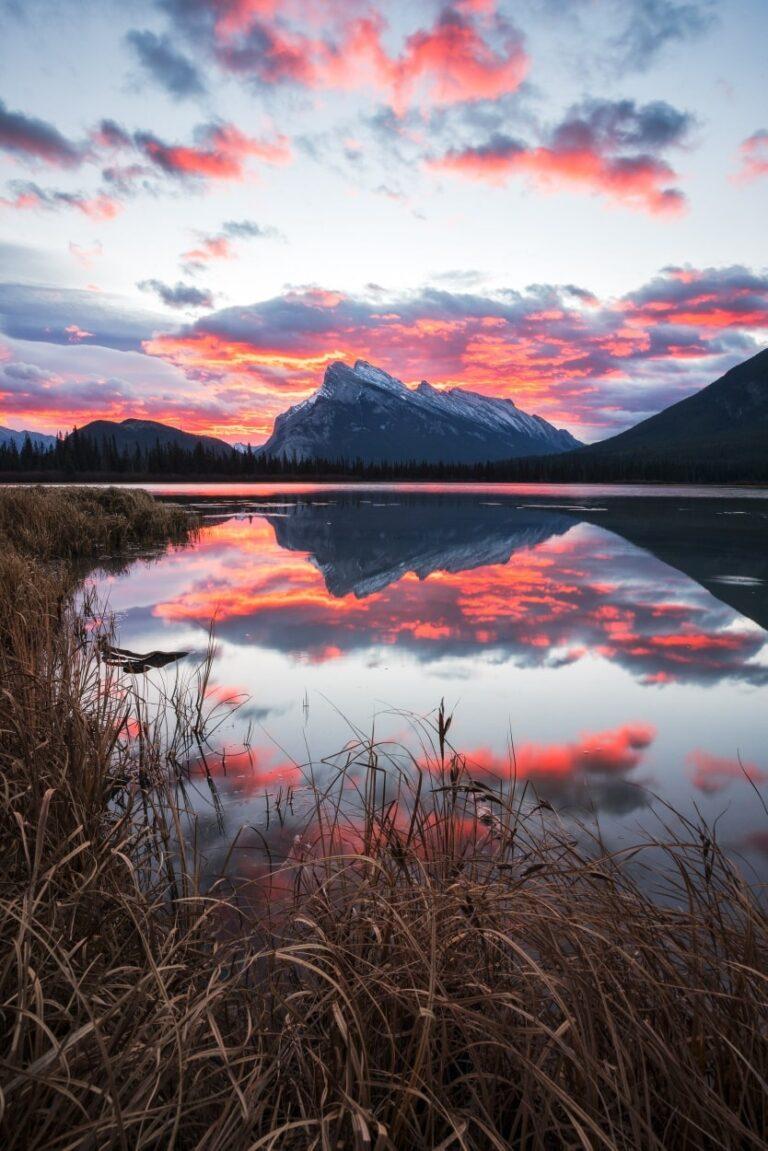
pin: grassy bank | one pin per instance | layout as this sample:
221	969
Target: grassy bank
440	965
84	523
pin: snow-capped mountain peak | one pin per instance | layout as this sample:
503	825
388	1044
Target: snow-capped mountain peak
373	375
363	412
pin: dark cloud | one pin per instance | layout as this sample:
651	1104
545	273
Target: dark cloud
25	195
221	245
36	140
622	124
582	294
179	295
219	150
720	298
249	230
165	65
125	180
47	315
110	134
653	24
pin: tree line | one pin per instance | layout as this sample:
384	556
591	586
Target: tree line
80	456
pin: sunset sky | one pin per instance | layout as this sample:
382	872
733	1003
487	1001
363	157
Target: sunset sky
204	202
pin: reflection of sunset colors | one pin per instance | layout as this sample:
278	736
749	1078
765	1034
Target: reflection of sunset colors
712	773
602	753
552	604
249	770
594	753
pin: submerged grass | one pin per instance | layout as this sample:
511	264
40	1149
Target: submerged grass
440	965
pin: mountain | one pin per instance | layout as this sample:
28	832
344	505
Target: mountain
364	413
128	434
11	436
726	421
364	540
354	544
723	551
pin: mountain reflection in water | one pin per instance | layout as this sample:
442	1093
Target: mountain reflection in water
620	641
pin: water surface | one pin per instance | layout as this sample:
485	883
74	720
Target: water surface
617	636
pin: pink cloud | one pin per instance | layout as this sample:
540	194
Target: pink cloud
469	52
86	255
454	62
27	196
754	157
221	154
640	182
76	334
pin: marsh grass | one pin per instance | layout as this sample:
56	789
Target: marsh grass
432	963
66	523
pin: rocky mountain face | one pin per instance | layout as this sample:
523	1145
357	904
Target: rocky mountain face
364	413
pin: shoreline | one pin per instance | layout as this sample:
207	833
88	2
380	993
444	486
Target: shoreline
120	480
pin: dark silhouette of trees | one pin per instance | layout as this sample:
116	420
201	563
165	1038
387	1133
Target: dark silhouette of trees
79	456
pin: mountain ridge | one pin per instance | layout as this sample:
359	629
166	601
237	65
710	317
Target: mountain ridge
728	417
132	432
362	413
18	437
365	413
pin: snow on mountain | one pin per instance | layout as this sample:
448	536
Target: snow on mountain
497	414
365	413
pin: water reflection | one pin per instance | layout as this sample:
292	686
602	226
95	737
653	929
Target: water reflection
621	643
442	576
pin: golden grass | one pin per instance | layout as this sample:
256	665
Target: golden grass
72	522
440	966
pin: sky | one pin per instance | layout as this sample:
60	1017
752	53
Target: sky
205	202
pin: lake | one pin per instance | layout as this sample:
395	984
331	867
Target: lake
610	643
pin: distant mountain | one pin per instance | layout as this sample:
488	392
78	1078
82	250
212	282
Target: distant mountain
11	436
128	434
364	413
726	421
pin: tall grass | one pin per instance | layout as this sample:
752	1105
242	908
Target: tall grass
432	963
72	522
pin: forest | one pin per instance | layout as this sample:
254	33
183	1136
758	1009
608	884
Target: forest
77	456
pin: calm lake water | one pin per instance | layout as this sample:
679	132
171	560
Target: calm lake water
617	636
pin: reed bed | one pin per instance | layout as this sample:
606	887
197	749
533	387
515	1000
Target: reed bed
433	962
65	523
